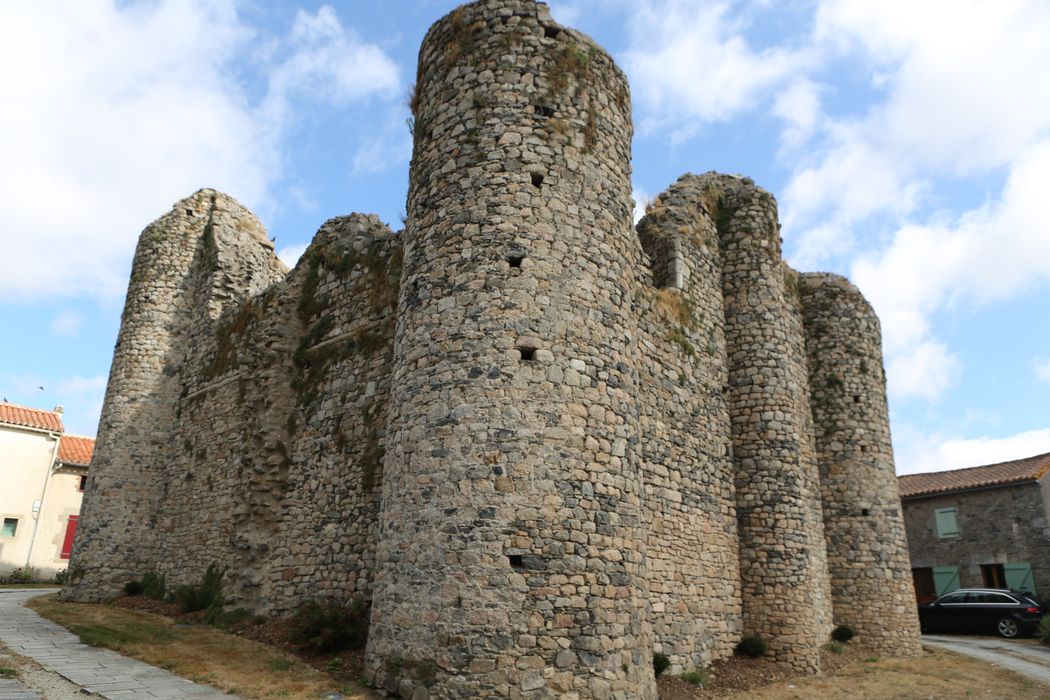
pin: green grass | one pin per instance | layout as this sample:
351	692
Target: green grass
113	637
834	647
30	585
8	672
697	678
279	664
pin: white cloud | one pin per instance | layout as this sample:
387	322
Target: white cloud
290	255
939	453
799	106
642	199
925	371
66	323
1042	369
985	255
328	63
690	64
116	110
968	76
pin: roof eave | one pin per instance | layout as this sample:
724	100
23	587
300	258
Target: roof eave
971	489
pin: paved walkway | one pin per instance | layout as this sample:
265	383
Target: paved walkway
1019	655
13	690
100	671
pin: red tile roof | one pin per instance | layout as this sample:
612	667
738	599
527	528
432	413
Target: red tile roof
1027	469
30	417
76	449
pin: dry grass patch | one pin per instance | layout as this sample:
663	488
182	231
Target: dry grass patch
936	674
198	652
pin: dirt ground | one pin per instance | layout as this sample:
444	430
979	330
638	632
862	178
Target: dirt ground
858	673
255	659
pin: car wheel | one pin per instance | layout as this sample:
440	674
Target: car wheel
1008	628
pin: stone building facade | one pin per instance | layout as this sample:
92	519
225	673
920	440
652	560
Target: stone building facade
982	526
543	443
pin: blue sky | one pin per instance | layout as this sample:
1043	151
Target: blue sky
908	145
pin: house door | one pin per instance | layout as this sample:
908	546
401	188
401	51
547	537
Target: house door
925	588
71	531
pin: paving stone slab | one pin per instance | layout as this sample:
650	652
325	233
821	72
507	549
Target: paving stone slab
105	672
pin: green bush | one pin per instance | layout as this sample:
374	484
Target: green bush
697	678
834	647
323	627
660	663
61	577
153	585
752	646
1044	630
133	588
842	633
206	595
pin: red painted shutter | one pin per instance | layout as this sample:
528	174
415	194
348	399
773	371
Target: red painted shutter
71	531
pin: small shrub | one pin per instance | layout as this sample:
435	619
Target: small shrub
1044	630
752	646
133	588
660	663
8	672
153	585
834	647
697	678
20	575
842	633
206	595
61	577
324	627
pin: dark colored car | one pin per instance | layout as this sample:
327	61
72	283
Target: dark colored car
982	610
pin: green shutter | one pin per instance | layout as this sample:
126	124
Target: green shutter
1019	577
945	579
946	522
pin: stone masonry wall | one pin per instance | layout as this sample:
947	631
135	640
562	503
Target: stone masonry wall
512	549
871	583
690	508
783	565
542	443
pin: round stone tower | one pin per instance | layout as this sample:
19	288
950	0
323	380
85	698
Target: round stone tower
871	584
207	252
511	556
783	561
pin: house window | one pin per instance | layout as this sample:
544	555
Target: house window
71	531
9	528
946	522
82	483
993	575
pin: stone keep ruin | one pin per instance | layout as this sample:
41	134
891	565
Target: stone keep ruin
543	443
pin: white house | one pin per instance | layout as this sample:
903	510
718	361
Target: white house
43	472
